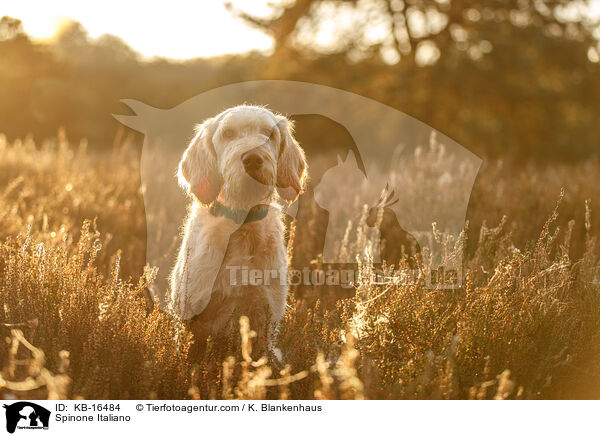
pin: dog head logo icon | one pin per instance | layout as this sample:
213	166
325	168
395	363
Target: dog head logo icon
26	415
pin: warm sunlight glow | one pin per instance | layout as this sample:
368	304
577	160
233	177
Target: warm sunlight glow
176	29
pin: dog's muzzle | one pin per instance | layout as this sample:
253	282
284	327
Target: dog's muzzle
254	162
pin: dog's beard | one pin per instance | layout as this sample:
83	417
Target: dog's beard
243	192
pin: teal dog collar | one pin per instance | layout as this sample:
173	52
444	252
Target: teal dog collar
239	216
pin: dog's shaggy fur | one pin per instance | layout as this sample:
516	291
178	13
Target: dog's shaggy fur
244	158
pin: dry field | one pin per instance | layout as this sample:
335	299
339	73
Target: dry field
77	323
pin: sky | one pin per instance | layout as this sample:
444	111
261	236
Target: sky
175	29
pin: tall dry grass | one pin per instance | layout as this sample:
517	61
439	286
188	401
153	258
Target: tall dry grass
72	280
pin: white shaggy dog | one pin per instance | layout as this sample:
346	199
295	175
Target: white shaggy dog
235	167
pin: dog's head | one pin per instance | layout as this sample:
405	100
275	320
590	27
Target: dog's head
243	156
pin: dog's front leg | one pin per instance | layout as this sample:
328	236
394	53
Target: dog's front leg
200	258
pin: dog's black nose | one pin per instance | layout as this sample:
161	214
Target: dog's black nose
252	160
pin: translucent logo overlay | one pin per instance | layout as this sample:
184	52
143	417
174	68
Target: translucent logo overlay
398	170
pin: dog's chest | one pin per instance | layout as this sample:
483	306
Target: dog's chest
255	245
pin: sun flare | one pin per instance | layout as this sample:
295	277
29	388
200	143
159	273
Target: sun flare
183	30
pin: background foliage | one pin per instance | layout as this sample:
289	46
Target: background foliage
517	76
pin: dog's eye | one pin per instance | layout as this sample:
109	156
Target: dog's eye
228	133
269	133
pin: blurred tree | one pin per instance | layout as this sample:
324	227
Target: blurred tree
10	28
416	30
283	22
497	75
22	64
500	77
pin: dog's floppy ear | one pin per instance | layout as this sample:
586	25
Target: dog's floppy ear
291	165
198	173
